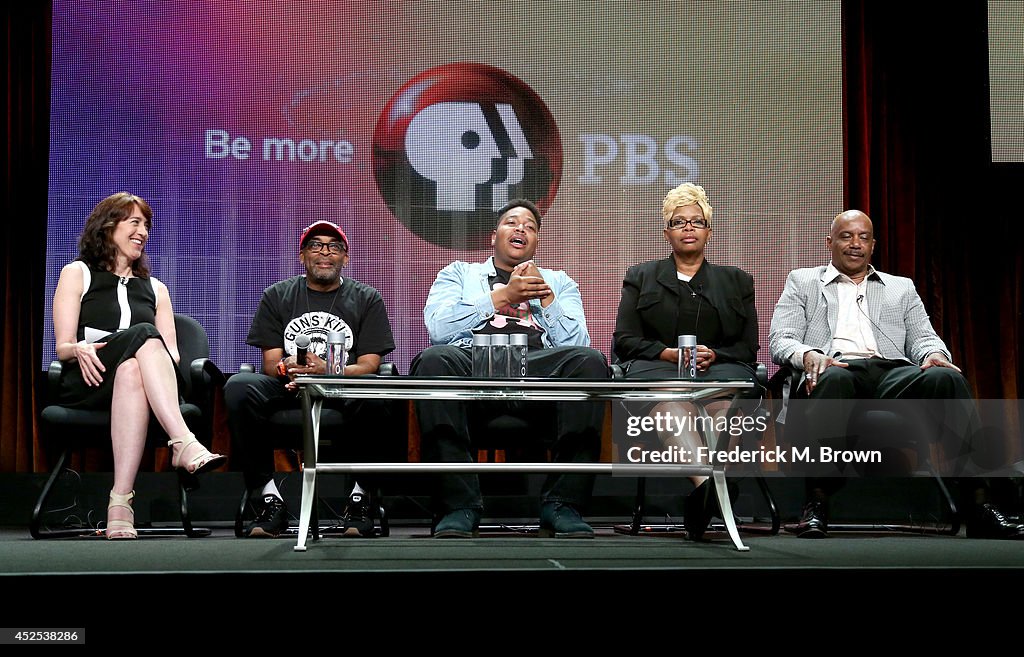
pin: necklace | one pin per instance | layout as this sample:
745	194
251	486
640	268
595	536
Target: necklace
700	301
333	301
693	293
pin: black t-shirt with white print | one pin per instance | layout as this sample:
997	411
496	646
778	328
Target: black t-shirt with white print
289	308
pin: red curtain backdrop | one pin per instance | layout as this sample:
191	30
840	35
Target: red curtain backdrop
917	161
27	117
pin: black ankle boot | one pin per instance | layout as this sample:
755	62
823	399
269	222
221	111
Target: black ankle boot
698	507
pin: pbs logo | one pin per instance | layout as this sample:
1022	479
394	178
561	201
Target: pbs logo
455	143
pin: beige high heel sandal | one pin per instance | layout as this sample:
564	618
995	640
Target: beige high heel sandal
121	529
202	461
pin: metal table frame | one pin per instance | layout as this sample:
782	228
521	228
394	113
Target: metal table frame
314	389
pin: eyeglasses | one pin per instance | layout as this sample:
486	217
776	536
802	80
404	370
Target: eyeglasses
679	223
334	248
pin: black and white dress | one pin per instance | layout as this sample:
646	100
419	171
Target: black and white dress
118	311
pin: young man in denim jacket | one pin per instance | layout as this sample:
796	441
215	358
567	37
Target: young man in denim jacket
509	293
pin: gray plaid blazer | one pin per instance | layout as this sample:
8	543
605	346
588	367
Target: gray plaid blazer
806	314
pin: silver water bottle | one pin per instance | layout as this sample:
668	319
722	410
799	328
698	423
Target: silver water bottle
499	355
519	344
337	357
687	356
481	355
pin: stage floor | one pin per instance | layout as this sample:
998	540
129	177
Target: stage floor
511	576
411	550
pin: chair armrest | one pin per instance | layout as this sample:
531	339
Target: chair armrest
761	372
208	369
205	373
617	371
53	379
248	368
205	376
774	384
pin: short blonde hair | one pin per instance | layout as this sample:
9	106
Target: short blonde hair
686	194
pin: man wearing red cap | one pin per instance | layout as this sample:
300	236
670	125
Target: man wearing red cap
310	305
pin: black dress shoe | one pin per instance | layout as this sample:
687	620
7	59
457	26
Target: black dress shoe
559	520
460	523
698	507
987	521
813	522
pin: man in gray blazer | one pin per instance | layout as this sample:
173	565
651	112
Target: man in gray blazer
852	332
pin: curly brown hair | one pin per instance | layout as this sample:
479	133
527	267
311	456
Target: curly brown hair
95	247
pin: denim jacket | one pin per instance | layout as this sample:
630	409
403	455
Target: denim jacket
460	301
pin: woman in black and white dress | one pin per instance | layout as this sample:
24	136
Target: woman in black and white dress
114	330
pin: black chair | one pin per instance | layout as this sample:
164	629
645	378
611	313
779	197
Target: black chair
639	508
286	427
906	450
65	430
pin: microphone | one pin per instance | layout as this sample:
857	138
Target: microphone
861	298
301	345
700	302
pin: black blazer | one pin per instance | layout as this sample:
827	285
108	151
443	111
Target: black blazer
645	324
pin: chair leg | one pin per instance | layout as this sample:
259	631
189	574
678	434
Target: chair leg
240	515
638	506
186	483
186	520
954	512
762	483
35	525
385	525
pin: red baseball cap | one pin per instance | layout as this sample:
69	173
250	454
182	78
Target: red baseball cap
324	227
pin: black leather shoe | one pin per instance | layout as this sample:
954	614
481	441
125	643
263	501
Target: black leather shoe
560	520
813	522
698	507
460	523
987	521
